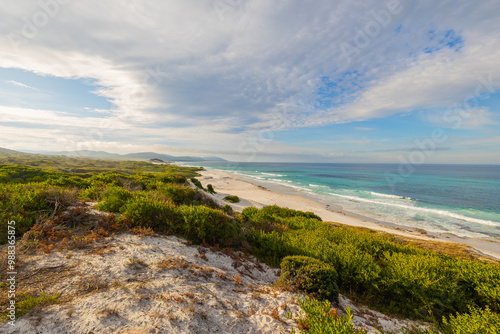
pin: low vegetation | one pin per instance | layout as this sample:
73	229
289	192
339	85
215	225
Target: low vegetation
210	189
320	318
310	275
29	303
232	199
318	258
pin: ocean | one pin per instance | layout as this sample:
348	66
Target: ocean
463	200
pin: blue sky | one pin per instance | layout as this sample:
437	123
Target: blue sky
254	80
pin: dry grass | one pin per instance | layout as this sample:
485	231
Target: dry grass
143	231
75	228
459	251
205	272
92	284
256	296
202	314
237	279
188	310
189	294
135	263
108	312
167	297
173	263
221	275
70	311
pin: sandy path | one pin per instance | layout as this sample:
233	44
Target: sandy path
250	194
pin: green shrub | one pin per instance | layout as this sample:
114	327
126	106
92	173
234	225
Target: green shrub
300	223
197	183
114	199
477	321
480	282
272	247
232	199
202	223
420	284
227	209
321	319
25	203
159	215
30	302
210	189
311	276
179	194
277	211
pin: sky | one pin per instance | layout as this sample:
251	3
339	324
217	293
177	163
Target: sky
399	81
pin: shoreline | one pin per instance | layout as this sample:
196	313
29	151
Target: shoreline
251	193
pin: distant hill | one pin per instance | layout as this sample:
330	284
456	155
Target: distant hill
133	156
140	156
10	153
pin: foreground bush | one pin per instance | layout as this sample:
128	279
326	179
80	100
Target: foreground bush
373	267
25	203
311	276
321	319
144	212
202	223
476	322
114	199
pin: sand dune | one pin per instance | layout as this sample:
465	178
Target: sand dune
158	284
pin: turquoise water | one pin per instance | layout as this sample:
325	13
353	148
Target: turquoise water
460	199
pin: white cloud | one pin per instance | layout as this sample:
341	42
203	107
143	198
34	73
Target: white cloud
20	84
191	72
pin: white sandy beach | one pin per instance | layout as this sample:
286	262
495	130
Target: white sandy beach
252	194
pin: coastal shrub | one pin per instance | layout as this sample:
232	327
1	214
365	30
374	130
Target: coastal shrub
150	181
272	247
161	216
227	209
232	199
210	189
320	318
197	183
202	223
93	192
357	270
274	210
393	276
29	302
477	321
311	276
64	180
420	284
480	282
178	194
25	203
19	174
300	223
112	178
114	199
